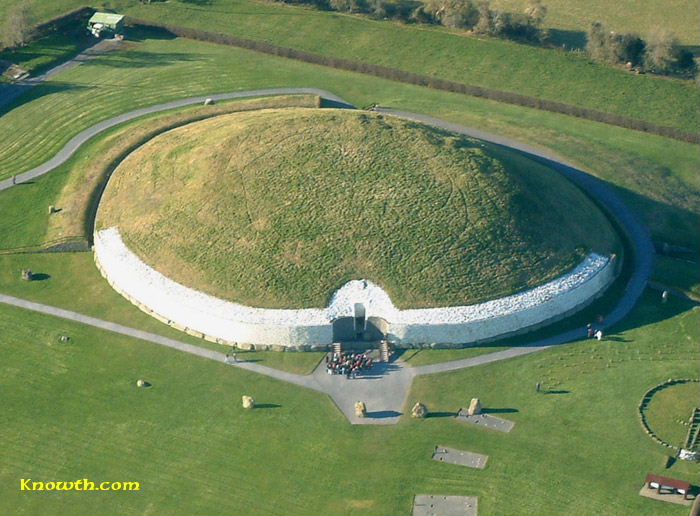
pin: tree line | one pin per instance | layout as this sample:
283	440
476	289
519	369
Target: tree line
659	53
477	17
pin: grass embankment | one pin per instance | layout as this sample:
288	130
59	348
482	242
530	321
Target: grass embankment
577	450
545	73
313	199
71	281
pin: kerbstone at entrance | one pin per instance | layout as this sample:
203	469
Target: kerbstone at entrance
442	505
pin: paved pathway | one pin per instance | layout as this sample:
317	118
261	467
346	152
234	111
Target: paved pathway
385	390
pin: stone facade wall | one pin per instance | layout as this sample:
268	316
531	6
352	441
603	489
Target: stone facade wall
310	329
522	321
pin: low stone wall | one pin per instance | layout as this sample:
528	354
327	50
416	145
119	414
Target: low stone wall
306	329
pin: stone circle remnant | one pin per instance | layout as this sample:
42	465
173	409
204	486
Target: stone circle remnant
248	402
360	409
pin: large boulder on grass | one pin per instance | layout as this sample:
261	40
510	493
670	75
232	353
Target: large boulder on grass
419	410
474	407
360	409
248	402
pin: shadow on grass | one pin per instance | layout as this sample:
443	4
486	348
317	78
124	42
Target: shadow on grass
139	34
556	391
40	276
569	39
617	339
381	414
266	405
141	59
487	410
442	414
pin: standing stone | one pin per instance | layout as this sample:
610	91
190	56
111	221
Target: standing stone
52	209
140	383
360	409
248	402
419	410
208	101
27	274
474	407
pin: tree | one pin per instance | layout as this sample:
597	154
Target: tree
661	49
602	44
630	49
485	25
17	27
458	14
536	11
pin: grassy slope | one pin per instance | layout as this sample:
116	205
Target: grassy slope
633	161
43	53
196	451
71	281
551	74
314	199
682	274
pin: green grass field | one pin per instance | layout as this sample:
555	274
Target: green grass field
314	199
71	281
72	410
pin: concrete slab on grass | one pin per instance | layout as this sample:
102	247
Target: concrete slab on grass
442	505
460	457
486	420
665	496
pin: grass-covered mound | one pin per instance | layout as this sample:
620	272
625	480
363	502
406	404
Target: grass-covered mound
279	208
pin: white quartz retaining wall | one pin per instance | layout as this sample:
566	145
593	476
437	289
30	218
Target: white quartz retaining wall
230	323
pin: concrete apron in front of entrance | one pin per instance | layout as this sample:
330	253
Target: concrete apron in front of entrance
383	390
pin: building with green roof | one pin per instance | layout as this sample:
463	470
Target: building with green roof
105	24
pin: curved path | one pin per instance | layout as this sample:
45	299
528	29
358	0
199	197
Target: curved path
385	391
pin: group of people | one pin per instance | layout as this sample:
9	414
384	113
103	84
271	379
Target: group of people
348	364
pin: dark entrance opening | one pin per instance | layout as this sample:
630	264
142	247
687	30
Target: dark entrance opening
359	329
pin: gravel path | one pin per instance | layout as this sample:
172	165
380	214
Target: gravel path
386	390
